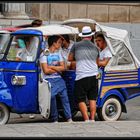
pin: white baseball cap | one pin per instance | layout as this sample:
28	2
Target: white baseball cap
86	31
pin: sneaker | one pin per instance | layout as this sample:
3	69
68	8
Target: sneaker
92	120
32	116
69	120
54	122
87	121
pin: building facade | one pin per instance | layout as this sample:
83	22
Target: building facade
101	12
121	15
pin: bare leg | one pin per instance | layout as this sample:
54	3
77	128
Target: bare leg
92	105
83	109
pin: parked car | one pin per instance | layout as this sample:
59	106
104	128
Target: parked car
120	78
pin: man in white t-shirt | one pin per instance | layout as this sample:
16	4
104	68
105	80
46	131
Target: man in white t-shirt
52	65
105	53
85	54
66	47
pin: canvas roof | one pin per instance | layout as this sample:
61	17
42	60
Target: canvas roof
54	29
111	32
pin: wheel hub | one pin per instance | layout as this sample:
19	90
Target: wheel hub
110	110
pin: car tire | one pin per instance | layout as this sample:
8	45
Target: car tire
111	110
4	114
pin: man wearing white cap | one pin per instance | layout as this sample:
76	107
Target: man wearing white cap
85	54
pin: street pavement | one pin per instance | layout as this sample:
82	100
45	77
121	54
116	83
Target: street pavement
127	126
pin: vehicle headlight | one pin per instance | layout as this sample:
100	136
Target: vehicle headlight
18	80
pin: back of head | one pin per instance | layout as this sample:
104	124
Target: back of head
66	37
37	22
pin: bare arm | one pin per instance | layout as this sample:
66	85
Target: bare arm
103	62
73	62
46	69
59	68
18	59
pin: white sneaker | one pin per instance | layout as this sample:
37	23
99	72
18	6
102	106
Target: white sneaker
87	121
32	116
92	120
69	120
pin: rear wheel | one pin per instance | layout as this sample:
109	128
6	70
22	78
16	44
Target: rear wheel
4	114
111	110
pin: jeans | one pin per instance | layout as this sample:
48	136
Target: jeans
58	87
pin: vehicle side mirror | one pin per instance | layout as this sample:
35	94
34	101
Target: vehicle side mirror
46	52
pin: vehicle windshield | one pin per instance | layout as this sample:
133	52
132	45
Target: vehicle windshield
4	39
23	48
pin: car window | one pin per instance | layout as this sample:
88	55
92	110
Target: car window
23	48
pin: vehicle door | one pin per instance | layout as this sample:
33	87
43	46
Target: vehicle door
21	72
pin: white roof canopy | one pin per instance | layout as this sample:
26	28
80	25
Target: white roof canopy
110	32
4	31
55	29
81	20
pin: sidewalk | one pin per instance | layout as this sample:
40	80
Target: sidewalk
74	129
38	127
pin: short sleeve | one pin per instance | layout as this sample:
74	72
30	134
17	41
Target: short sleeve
60	56
108	54
72	50
43	58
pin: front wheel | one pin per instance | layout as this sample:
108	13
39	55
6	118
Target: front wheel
4	114
111	110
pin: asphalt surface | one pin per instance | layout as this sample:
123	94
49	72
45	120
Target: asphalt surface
127	126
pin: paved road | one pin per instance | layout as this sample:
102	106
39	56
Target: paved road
127	126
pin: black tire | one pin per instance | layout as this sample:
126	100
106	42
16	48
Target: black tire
111	110
4	114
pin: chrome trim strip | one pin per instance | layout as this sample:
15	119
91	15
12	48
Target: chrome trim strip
117	80
117	74
123	76
17	70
